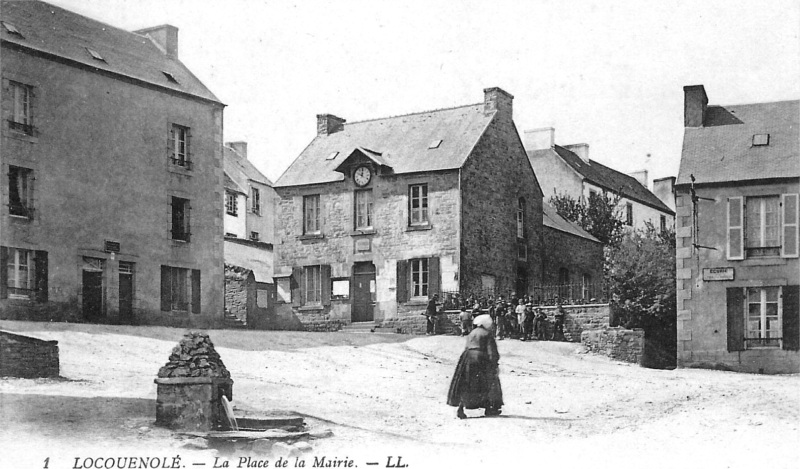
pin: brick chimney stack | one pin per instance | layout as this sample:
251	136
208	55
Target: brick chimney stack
497	99
165	36
695	103
238	147
328	124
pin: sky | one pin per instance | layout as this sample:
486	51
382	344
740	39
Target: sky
606	73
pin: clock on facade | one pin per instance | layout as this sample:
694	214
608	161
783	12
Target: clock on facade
362	175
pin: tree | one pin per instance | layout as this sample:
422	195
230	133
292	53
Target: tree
600	217
641	276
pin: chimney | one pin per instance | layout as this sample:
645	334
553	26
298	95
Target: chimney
539	139
165	36
640	176
664	189
580	149
328	124
695	103
497	99
238	147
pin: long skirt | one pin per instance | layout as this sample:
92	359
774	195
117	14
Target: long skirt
476	383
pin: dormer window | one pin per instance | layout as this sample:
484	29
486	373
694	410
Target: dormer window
434	144
95	55
760	140
170	77
333	155
11	29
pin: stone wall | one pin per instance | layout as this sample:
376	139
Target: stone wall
615	342
496	175
27	357
578	318
236	291
578	255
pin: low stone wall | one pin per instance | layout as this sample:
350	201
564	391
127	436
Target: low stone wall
615	342
579	318
27	357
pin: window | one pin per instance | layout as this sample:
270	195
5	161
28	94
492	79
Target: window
21	115
521	218
20	273
311	214
332	156
587	287
363	207
419	277
313	285
254	236
230	203
255	200
629	214
179	139
95	55
563	276
763	320
180	219
663	220
760	140
170	77
418	204
762	226
20	192
434	144
180	289
522	251
11	29
284	289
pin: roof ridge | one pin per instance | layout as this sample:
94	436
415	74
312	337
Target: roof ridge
796	100
103	23
412	113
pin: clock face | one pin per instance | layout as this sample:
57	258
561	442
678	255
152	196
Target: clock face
362	175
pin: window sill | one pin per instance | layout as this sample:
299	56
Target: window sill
20	217
177	169
759	261
420	301
307	237
364	232
19	135
424	227
311	308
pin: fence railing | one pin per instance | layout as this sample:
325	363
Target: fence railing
542	295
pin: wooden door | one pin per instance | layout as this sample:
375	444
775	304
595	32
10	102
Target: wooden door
93	296
363	292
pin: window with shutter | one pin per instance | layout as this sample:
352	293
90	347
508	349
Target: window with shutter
3	272
166	289
20	192
735	228
402	281
196	291
41	276
434	277
789	232
791	317
735	313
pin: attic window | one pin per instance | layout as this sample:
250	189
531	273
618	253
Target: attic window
434	144
332	155
760	140
170	77
95	55
11	29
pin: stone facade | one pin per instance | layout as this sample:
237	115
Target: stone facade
27	357
615	342
579	256
579	318
471	233
236	291
102	203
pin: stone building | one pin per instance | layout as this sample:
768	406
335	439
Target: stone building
249	231
112	155
737	266
568	170
376	216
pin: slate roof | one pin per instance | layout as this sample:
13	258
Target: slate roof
401	141
49	29
722	150
607	178
238	170
552	219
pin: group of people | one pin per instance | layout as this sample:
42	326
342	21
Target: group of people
476	381
522	321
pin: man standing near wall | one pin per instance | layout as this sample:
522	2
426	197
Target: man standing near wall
430	314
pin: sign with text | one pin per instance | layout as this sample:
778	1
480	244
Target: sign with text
718	274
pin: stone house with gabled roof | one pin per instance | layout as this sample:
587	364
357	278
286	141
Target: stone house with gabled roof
737	236
111	153
374	217
569	170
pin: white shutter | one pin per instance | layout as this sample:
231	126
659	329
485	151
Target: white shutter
735	228
789	239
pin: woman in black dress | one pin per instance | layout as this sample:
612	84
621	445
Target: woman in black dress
476	383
